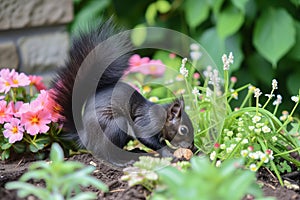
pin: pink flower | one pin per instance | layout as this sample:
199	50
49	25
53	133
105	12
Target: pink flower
156	68
145	66
196	75
9	79
36	121
18	80
5	84
13	131
136	61
5	112
37	82
15	108
41	101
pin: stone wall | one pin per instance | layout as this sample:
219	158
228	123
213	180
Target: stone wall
33	36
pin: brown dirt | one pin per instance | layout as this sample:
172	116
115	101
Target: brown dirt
118	190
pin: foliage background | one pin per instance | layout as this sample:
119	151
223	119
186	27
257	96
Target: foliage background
264	35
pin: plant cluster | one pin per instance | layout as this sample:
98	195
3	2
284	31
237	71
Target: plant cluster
63	179
197	179
250	131
29	120
240	26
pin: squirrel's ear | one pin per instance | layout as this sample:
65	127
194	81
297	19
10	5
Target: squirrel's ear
175	109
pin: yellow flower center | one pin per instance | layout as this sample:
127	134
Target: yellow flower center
15	81
34	120
15	130
153	68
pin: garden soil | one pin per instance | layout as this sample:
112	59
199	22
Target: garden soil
11	170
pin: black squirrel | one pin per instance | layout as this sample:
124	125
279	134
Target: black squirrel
103	113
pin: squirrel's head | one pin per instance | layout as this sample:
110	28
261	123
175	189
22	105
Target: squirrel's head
178	128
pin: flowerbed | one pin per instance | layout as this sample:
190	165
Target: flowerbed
234	143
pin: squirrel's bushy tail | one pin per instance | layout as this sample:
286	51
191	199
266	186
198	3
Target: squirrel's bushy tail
97	58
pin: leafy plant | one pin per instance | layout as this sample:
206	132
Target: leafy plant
204	181
63	179
144	171
29	119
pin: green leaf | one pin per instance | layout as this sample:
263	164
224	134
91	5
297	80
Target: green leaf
229	21
85	17
150	14
6	146
240	4
295	2
216	6
293	83
36	147
196	11
5	154
295	51
274	34
216	47
139	34
163	6
19	147
56	153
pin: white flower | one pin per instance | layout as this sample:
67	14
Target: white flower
237	139
241	123
266	129
257	130
257	92
153	99
274	84
184	71
195	55
194	47
195	91
244	153
263	157
254	155
278	100
274	138
213	155
218	163
270	95
239	135
253	167
251	128
229	149
256	119
183	61
295	98
222	146
259	125
227	61
229	133
245	141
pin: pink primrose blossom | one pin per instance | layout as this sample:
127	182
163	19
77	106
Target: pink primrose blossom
36	121
10	79
18	80
5	84
145	66
13	130
15	107
5	112
37	82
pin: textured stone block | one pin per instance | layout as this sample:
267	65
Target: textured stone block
43	52
29	13
8	55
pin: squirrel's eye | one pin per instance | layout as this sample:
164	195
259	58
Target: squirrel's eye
183	130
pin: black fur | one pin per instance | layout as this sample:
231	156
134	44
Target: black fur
113	112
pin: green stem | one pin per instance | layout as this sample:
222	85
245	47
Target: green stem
288	118
270	97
